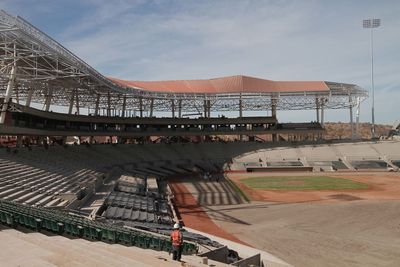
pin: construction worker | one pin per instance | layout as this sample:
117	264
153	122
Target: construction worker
177	242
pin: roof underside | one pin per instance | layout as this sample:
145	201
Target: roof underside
226	85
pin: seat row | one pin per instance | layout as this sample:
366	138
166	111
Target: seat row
15	215
34	185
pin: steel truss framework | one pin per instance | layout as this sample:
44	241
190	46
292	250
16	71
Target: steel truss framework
48	73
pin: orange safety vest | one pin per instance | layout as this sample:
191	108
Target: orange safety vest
177	238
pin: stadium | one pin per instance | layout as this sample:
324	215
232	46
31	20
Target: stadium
107	166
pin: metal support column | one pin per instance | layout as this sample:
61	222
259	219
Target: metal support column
173	108
108	104
240	106
141	107
273	114
77	101
180	108
151	107
123	106
317	108
240	113
205	108
16	94
322	111
273	107
351	119
71	102
96	109
209	108
48	99
358	101
10	87
29	97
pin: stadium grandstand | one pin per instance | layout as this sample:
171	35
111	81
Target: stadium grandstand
107	159
395	131
37	69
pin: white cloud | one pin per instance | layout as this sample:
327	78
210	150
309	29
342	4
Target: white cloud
279	40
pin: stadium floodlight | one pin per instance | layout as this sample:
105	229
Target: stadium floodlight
371	24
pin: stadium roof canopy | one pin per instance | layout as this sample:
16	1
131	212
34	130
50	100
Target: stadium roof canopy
226	85
44	71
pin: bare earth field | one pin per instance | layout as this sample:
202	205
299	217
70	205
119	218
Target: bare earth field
316	228
356	233
322	228
194	215
382	186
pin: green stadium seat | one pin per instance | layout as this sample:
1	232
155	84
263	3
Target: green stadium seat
14	214
23	221
36	223
3	218
86	232
79	230
133	238
68	227
57	227
141	241
155	243
47	224
96	233
109	235
167	246
125	237
10	219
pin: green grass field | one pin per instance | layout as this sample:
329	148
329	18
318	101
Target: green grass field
302	183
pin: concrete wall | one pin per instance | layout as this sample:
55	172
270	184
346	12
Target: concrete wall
79	203
219	254
253	260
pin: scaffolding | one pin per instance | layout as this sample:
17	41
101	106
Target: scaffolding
34	68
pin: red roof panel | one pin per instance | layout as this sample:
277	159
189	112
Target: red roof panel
231	84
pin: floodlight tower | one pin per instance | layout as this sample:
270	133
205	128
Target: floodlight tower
371	24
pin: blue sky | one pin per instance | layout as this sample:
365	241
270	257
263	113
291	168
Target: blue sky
278	40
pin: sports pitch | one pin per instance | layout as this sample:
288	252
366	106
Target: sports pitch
303	183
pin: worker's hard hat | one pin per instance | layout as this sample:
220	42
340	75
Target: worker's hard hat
176	226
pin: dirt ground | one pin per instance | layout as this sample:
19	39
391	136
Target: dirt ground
316	228
382	186
322	228
352	233
195	216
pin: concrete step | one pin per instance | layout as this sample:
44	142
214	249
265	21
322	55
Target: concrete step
10	191
26	196
53	202
35	199
17	194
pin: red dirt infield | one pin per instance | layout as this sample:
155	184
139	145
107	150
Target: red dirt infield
193	214
382	186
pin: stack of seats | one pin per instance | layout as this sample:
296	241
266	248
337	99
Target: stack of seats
134	202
